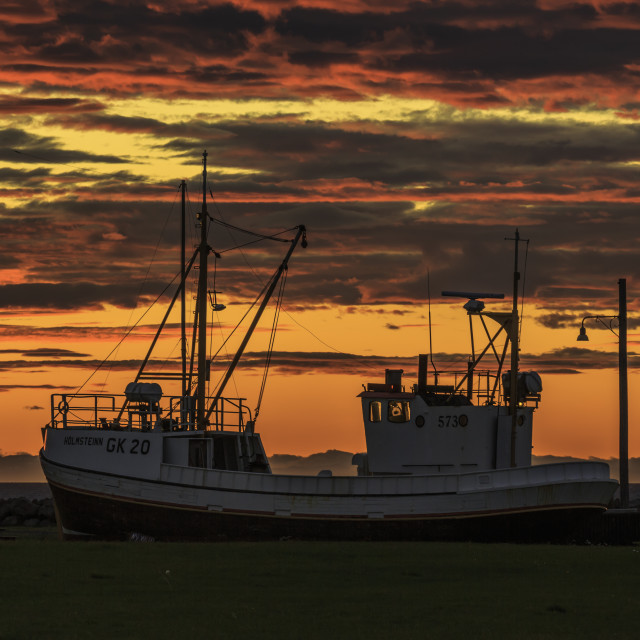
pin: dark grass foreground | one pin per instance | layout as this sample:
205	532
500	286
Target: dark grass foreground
317	590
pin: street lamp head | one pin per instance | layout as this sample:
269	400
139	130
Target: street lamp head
583	335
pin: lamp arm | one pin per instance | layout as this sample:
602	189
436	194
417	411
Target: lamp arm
601	319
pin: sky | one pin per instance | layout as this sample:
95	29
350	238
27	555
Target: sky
411	140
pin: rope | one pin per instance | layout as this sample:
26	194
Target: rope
229	226
524	282
146	277
127	334
253	304
261	236
272	338
219	324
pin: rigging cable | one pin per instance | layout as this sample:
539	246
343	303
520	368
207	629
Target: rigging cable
145	278
213	303
253	304
272	338
359	359
229	227
524	282
260	236
128	333
350	356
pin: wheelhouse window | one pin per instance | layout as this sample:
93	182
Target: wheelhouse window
375	411
398	411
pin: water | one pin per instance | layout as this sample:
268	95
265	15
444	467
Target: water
30	490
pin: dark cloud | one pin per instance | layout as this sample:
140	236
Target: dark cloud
44	365
65	295
47	105
220	73
515	53
317	58
106	33
568	320
326	175
16	145
78	332
9	387
559	361
577	358
44	352
559	320
455	49
498	41
385	248
568	359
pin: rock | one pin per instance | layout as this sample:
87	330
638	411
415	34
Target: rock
24	508
29	513
5	509
45	511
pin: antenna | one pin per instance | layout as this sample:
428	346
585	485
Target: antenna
514	336
474	305
472	296
435	371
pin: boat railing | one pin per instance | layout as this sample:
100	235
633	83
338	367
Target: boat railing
482	386
102	411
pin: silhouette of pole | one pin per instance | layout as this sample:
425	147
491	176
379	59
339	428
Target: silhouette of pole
624	396
183	333
515	344
201	423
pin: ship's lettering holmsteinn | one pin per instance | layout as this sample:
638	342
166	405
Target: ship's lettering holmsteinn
83	440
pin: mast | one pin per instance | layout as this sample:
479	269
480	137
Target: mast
183	330
515	345
202	305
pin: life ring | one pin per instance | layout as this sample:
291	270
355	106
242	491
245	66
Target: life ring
63	407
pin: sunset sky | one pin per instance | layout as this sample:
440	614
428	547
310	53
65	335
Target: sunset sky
409	139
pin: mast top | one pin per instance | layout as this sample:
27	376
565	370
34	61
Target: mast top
204	184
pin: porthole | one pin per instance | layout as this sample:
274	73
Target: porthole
420	421
521	420
463	421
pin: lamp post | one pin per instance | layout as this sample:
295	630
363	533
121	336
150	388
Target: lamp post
622	380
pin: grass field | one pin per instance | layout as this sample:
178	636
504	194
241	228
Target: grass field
303	590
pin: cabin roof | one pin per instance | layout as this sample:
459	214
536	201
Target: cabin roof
392	395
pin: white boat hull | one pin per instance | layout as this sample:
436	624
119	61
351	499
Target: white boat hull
534	503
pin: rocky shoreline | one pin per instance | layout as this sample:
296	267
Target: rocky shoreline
15	512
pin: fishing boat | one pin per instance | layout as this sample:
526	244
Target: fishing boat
445	458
